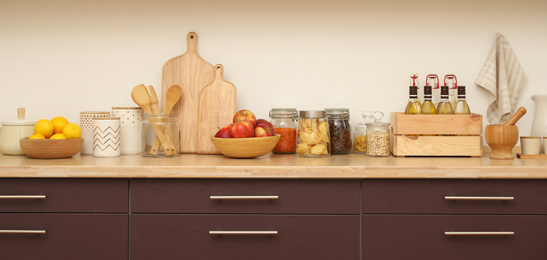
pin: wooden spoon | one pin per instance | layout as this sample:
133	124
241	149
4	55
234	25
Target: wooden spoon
174	93
142	98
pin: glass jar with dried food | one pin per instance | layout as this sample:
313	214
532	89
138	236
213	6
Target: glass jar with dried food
312	134
339	130
378	139
284	121
360	132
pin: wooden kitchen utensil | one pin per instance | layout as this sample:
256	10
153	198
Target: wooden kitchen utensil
502	138
142	98
192	74
216	108
154	103
173	96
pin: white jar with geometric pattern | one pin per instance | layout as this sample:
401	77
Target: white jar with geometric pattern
106	137
86	124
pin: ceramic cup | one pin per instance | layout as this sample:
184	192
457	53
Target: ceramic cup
106	137
86	124
531	145
130	121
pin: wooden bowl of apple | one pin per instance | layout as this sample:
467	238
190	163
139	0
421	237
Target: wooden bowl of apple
246	137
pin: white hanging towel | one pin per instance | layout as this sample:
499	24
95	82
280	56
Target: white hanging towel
502	76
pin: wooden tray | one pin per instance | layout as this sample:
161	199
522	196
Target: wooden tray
527	156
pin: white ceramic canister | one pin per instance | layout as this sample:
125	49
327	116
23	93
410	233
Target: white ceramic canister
130	122
12	131
86	124
106	137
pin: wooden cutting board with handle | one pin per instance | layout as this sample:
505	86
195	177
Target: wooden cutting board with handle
192	74
216	109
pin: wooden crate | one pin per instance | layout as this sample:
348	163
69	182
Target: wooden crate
436	135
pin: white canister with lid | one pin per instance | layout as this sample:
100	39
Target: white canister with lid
12	131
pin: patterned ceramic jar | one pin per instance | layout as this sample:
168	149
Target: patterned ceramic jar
86	124
130	121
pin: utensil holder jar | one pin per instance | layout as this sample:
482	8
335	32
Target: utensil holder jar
170	126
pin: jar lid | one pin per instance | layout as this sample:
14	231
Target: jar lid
283	111
16	122
337	110
377	124
21	119
312	113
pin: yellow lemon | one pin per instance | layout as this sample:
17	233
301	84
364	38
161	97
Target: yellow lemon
36	136
58	136
43	127
72	131
58	124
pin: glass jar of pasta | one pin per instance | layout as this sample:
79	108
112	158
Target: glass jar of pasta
284	122
313	134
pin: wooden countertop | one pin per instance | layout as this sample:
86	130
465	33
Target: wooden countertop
352	166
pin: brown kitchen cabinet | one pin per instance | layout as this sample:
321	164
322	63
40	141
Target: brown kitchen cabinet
282	219
64	219
454	219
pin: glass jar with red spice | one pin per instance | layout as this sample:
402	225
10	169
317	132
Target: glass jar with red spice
284	121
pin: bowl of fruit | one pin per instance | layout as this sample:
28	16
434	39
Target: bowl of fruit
53	139
246	137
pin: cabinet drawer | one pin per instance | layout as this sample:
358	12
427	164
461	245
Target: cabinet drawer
67	236
293	196
423	237
63	195
455	196
172	236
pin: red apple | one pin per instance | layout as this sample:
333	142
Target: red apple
241	129
245	115
224	132
264	121
263	130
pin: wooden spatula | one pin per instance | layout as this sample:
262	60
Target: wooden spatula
173	96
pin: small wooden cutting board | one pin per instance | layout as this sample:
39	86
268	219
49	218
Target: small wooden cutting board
216	109
192	74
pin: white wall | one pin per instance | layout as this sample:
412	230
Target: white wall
60	57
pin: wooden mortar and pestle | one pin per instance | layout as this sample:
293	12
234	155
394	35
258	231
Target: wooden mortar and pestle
502	138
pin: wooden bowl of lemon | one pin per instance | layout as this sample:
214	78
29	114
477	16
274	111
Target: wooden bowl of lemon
245	147
51	148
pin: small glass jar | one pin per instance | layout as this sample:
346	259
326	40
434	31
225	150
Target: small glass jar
313	134
360	132
378	139
339	130
151	145
284	122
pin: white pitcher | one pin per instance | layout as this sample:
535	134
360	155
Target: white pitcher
539	125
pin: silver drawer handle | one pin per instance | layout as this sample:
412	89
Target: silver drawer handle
6	231
479	233
477	198
244	197
242	232
39	197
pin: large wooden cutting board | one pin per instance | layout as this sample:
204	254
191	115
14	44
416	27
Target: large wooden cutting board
192	74
216	109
